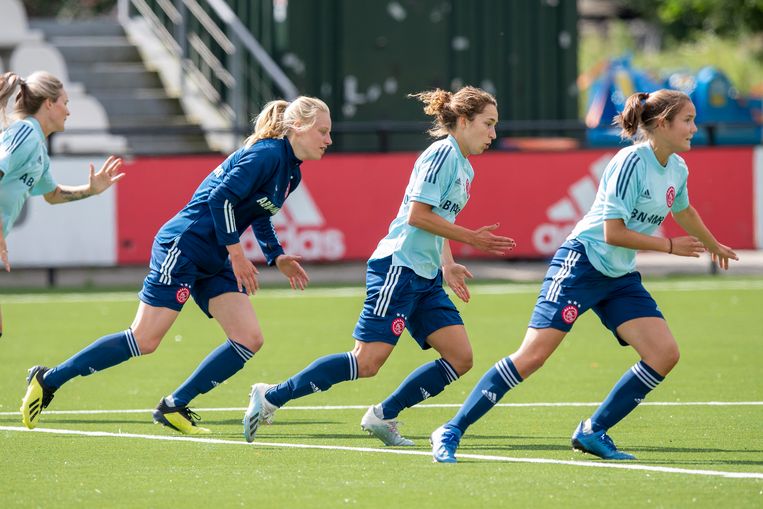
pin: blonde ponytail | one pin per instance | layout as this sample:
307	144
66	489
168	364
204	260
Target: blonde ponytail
33	91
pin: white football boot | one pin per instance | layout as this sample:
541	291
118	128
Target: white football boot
260	411
383	429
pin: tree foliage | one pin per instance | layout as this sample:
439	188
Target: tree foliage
688	19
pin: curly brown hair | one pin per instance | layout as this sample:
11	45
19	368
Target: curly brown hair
446	107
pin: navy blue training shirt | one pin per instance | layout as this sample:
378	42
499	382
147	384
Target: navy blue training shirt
248	188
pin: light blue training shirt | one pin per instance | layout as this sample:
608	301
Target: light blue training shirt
441	177
25	165
636	188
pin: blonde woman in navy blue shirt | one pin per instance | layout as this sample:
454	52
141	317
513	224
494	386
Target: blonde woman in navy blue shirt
198	254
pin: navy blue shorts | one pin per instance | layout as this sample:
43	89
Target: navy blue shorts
572	286
173	278
397	298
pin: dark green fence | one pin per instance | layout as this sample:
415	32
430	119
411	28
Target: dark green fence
364	56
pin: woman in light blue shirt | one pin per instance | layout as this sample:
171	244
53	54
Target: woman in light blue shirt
405	275
41	109
595	269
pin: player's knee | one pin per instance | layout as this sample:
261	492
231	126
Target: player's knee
536	362
252	340
664	359
368	367
147	343
671	356
529	361
463	363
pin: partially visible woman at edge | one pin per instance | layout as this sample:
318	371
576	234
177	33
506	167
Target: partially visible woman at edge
595	269
40	109
198	254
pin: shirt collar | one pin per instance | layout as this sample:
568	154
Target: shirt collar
36	125
453	142
653	157
290	152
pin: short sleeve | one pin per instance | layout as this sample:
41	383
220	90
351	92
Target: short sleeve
6	161
623	188
682	193
46	183
434	173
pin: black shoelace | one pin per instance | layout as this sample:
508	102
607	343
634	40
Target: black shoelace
190	415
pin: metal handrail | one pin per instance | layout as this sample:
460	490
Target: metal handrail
222	9
233	39
209	25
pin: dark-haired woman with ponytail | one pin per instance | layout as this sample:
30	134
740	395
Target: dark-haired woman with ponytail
40	109
595	269
198	254
405	274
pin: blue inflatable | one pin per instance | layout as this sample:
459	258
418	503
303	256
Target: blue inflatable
723	118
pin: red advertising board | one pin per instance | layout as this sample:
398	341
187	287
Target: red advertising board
538	198
154	190
721	188
341	210
346	202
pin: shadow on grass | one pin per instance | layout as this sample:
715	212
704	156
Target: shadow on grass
515	443
477	449
52	420
237	422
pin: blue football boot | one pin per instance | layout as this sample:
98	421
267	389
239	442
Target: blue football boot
599	443
444	444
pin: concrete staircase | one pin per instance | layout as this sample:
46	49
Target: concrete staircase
98	55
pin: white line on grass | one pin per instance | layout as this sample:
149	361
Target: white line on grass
358	291
420	407
482	457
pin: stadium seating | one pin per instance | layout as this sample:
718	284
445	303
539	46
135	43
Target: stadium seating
87	113
29	57
14	28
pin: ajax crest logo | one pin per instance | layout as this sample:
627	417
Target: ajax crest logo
570	312
670	196
182	295
398	326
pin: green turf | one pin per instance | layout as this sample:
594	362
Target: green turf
719	331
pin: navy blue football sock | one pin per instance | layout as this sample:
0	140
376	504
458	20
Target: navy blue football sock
225	361
493	385
424	382
318	376
103	353
627	393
